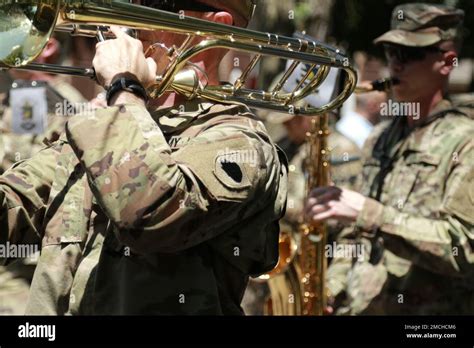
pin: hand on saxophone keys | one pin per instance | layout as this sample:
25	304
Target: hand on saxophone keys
332	202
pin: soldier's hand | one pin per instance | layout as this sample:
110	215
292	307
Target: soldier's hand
334	203
328	310
123	56
98	102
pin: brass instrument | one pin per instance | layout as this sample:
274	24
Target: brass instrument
26	27
284	281
313	262
382	85
297	284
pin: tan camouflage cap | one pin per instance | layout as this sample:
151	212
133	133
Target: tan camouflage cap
421	25
242	10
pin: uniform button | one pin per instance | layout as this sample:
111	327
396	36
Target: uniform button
292	168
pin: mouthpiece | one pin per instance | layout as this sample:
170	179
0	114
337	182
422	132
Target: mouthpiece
382	85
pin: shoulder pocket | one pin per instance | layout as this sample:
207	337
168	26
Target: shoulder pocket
229	168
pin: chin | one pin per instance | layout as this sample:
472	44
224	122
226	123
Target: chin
403	95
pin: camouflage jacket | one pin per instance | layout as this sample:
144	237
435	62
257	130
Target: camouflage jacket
139	213
423	262
465	102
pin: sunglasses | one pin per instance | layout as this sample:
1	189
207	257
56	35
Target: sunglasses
405	54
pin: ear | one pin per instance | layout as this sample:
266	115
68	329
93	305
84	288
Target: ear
450	62
223	18
50	50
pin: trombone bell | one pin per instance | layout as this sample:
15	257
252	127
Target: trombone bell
25	28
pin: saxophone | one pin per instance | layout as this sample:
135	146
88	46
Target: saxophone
297	284
312	258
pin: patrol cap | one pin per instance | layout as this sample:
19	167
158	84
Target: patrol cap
242	10
421	25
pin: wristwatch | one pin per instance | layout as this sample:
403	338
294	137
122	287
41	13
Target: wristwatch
129	85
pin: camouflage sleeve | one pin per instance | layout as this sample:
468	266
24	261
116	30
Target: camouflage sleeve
161	201
24	191
444	245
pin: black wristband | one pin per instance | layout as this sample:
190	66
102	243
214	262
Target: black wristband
129	85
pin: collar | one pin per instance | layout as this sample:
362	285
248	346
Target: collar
420	141
441	109
425	130
178	117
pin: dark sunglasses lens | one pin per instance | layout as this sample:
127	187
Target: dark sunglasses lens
405	54
415	54
391	53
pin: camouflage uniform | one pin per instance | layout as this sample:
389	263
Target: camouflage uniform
465	102
418	235
145	213
15	278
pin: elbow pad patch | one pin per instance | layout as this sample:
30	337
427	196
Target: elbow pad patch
229	169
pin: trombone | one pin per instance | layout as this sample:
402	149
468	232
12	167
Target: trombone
26	26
